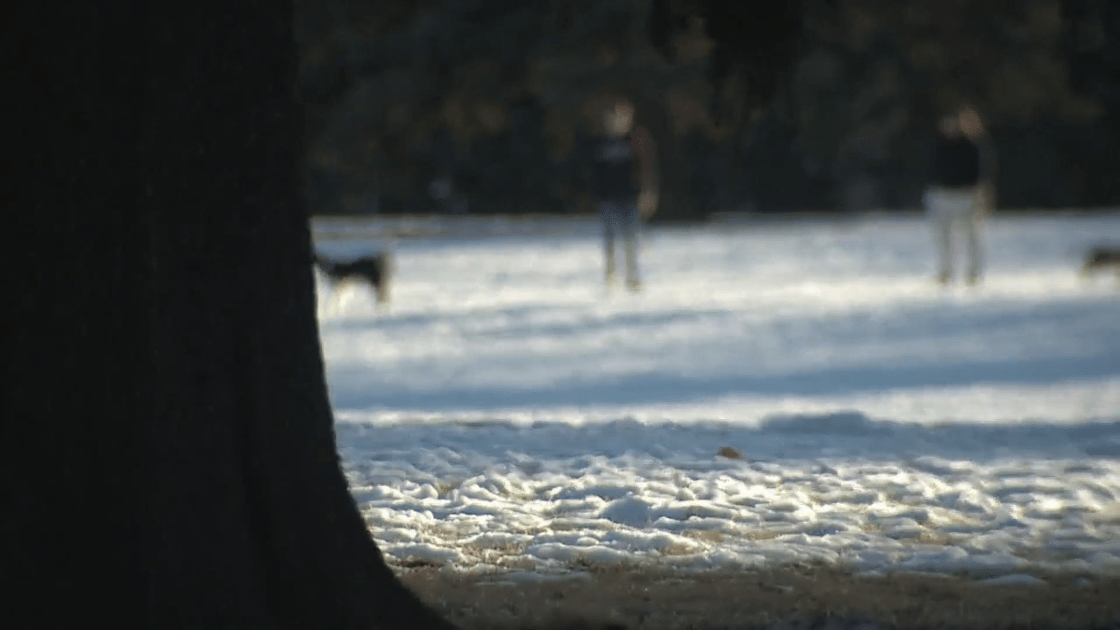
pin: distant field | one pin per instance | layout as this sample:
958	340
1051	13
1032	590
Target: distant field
790	411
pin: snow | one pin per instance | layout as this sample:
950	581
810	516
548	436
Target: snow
508	414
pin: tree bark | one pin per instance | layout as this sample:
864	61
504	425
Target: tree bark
167	383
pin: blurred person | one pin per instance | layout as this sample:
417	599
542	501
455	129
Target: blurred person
623	203
960	190
973	128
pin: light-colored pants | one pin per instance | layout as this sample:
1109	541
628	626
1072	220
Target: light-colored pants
621	219
951	211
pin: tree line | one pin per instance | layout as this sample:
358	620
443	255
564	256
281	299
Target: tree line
812	105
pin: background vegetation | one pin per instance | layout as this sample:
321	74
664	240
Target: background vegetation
497	99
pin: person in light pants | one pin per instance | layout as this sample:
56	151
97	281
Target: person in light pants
960	191
953	211
623	202
621	219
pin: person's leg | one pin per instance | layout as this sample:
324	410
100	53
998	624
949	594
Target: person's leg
608	212
631	229
971	225
941	222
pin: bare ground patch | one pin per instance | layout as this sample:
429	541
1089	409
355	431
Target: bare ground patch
788	598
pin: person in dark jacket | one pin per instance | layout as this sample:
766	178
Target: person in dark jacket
959	190
623	182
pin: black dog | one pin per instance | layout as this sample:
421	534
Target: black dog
374	270
1100	258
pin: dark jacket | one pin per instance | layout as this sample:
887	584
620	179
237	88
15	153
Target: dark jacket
956	162
612	170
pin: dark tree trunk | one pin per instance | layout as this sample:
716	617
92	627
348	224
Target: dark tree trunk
166	386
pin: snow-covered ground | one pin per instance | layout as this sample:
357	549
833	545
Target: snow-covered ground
507	412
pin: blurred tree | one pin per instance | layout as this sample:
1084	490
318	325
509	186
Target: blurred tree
165	381
511	83
1091	43
856	84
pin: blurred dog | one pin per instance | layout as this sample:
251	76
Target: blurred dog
374	271
1100	258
